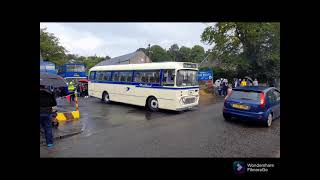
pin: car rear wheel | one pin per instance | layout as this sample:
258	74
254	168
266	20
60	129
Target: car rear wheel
269	120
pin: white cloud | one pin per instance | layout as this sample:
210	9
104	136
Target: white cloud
87	43
75	41
115	39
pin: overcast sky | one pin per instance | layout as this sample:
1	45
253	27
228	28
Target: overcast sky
116	39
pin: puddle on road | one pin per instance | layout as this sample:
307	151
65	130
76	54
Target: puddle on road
96	116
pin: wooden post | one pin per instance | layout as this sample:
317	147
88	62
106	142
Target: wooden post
76	98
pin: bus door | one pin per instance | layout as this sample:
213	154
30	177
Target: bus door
91	83
127	90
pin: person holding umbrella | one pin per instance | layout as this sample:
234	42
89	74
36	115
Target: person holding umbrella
56	83
84	87
47	101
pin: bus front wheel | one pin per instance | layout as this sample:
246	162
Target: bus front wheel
152	104
105	98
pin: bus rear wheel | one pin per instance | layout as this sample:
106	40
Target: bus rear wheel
105	98
152	104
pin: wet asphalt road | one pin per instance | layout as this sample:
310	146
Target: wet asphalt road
120	130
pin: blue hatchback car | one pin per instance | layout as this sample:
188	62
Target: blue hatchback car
255	103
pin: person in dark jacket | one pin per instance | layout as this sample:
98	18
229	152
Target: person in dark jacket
224	89
47	101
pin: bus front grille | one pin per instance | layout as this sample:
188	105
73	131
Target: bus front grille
190	100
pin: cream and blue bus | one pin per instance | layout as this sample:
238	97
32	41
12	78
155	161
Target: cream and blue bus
164	85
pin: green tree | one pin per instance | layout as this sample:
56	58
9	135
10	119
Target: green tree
88	61
246	48
50	48
173	52
71	56
158	54
184	54
197	54
91	61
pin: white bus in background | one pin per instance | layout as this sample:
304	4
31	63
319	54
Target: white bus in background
165	85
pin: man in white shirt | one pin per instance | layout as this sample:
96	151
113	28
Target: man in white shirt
255	82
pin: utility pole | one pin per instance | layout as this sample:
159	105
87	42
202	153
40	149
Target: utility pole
204	59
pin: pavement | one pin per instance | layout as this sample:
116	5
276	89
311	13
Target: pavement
121	130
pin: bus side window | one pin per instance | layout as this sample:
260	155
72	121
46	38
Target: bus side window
168	77
143	79
152	79
115	76
156	76
99	76
92	75
106	76
129	76
137	76
122	76
125	76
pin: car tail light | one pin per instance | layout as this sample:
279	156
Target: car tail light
262	100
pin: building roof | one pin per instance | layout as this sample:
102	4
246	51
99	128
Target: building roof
124	59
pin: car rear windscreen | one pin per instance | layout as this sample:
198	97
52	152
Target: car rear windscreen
245	95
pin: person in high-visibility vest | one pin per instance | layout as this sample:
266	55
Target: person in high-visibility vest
71	89
71	86
243	83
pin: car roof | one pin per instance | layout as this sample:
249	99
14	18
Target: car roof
254	88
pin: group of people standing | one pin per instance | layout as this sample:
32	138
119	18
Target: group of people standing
80	88
224	87
245	82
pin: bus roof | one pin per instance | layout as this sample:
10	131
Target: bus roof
143	66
